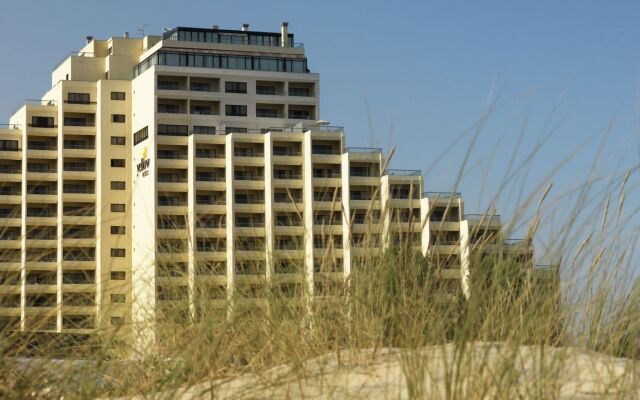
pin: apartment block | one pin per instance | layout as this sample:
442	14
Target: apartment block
192	171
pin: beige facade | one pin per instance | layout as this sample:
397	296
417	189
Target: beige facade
191	170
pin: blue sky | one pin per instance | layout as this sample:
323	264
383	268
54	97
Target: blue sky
414	74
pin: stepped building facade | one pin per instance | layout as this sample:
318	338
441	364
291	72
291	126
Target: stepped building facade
191	169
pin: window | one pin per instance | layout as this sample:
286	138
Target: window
117	253
118	275
173	130
299	91
42	122
204	130
117	162
116	321
78	98
118	140
141	135
168	85
235	87
9	145
118	298
117	230
117	185
118	118
117	95
169	108
233	129
235	110
117	208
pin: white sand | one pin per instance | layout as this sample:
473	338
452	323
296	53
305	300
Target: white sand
487	370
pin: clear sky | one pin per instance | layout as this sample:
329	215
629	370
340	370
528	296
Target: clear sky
414	74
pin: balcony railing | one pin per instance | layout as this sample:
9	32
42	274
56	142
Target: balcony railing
327	175
288	153
268	114
203	153
277	199
42	126
248	154
41	146
321	151
250	200
9	169
78	256
403	172
442	195
78	146
34	102
171	179
250	224
210	224
172	203
269	91
79	102
482	217
365	150
205	178
78	189
300	116
287	176
79	168
72	122
171	156
248	177
445	242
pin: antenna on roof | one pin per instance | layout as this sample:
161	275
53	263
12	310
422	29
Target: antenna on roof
142	28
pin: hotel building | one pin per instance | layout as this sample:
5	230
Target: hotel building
191	170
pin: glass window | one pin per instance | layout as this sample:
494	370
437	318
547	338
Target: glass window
118	275
117	253
117	185
171	59
118	298
235	87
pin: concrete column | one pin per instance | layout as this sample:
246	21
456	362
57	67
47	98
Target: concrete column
385	211
23	215
465	255
191	223
346	214
268	206
424	225
60	205
307	193
229	175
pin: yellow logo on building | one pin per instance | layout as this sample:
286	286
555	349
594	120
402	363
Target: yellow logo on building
143	165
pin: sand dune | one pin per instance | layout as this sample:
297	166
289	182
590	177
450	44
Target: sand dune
483	370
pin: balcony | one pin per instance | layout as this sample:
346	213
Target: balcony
79	126
76	150
172	205
43	128
446	196
79	171
172	160
10	173
248	157
210	182
172	183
